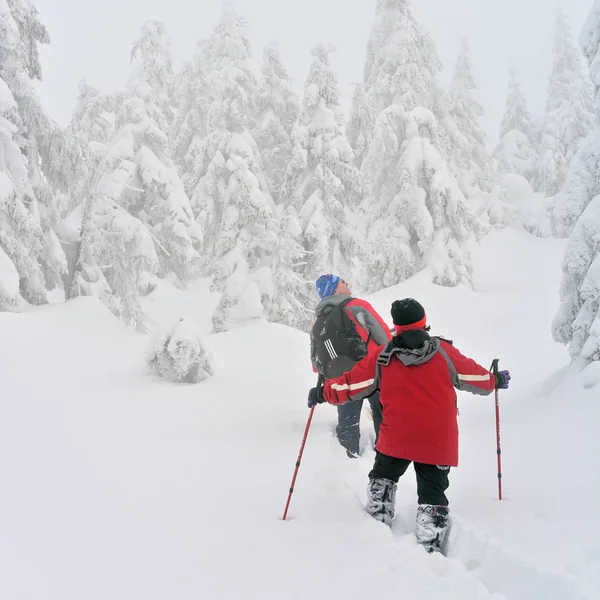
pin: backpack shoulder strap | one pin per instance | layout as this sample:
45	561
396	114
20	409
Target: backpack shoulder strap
362	325
385	356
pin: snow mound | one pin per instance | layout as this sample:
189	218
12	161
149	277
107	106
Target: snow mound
180	354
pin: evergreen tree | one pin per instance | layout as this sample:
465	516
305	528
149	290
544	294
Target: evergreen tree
517	116
116	259
415	211
290	302
515	152
360	126
192	101
577	322
470	157
153	193
137	220
569	116
28	214
278	107
229	193
80	148
402	64
322	184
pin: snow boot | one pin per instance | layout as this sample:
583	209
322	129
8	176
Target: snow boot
381	500
432	526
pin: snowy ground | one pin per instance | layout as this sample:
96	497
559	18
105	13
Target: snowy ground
117	485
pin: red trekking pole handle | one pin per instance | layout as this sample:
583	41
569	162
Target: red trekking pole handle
310	416
494	370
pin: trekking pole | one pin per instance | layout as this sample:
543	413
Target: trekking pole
494	369
310	416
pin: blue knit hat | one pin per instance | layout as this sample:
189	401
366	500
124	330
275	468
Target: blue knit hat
327	284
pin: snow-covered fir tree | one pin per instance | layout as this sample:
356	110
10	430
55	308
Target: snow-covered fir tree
278	107
28	213
291	299
322	182
577	322
148	185
470	156
414	209
401	63
116	259
516	150
85	142
569	111
138	220
228	187
19	230
192	102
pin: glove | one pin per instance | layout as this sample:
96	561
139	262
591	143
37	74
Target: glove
315	396
502	380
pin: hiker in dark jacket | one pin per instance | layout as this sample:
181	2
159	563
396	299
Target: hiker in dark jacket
417	375
373	330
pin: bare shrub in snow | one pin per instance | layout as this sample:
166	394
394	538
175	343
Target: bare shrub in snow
180	353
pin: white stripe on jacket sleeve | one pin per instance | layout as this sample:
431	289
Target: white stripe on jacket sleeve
352	386
485	377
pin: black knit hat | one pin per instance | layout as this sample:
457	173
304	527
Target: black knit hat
408	312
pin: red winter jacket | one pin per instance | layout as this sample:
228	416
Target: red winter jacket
369	323
416	375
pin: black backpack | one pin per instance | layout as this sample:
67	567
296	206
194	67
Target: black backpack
338	346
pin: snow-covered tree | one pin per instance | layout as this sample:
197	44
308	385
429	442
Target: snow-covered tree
516	152
470	156
147	184
228	188
577	322
137	219
360	125
180	353
322	183
28	214
413	212
291	300
278	107
77	151
116	260
516	115
401	64
414	209
569	111
192	101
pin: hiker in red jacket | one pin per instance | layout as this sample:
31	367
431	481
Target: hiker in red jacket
373	330
416	375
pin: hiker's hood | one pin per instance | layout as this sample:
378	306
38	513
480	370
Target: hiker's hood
414	347
330	302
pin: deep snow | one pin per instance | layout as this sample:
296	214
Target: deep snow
117	484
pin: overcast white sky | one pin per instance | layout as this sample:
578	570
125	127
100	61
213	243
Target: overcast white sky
93	39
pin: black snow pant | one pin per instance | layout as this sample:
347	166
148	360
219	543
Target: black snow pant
348	427
432	480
